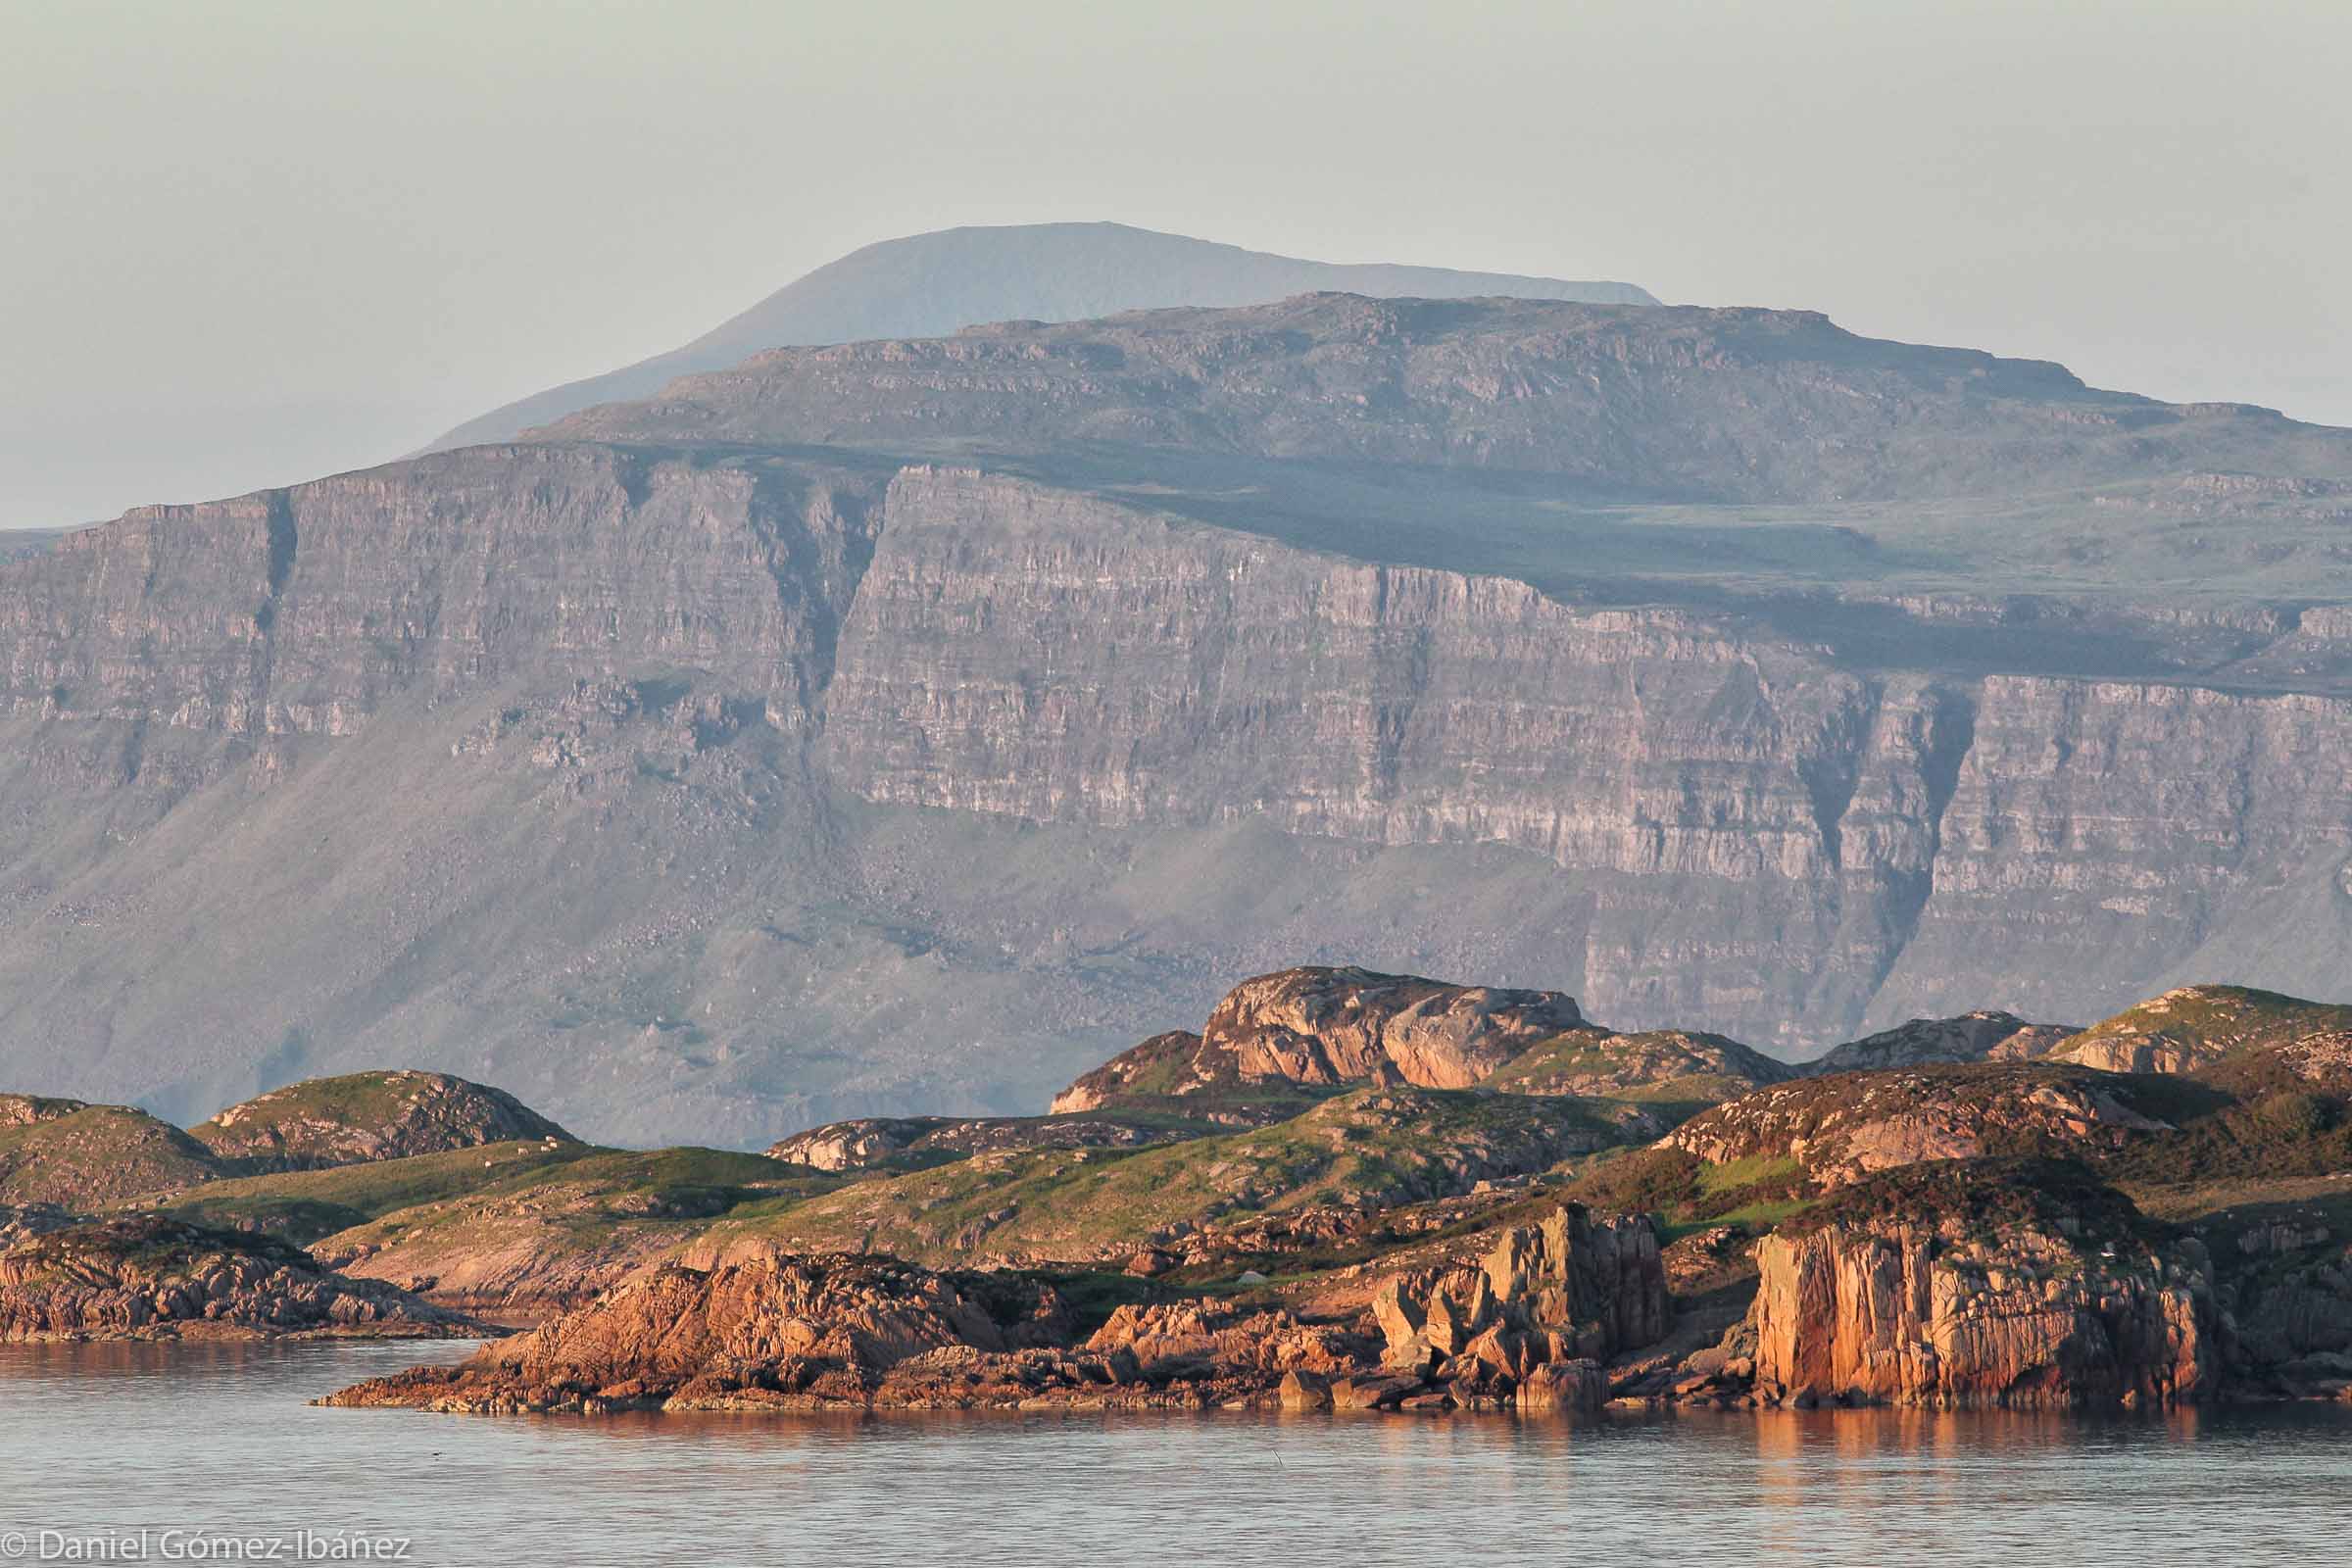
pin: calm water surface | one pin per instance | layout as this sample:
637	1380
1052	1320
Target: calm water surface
97	1441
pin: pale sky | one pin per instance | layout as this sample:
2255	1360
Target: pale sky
245	243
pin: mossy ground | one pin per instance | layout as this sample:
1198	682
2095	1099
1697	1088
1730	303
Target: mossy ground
99	1154
304	1205
1371	1146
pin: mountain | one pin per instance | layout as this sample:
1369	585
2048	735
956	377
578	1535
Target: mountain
1643	403
904	727
926	284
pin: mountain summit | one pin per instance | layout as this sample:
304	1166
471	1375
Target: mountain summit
924	285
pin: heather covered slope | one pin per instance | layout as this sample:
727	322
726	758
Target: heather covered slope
925	284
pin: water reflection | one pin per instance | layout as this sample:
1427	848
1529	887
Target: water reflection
110	1436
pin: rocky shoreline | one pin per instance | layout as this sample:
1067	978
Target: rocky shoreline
144	1276
1348	1190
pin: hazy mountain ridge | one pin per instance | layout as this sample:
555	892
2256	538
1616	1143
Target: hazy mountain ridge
932	284
1652	403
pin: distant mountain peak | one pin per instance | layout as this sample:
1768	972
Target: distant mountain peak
932	284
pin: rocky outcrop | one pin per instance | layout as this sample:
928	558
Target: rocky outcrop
1159	1070
2323	1060
1982	1036
1922	1302
1844	1127
1564	1291
22	1110
325	1122
871	1141
758	1328
1321	1028
144	1276
1366	1151
763	1331
1334	1026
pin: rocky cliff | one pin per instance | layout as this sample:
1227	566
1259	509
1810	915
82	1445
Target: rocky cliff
2003	1287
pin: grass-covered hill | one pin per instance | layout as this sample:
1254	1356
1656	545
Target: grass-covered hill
2197	1026
89	1156
363	1116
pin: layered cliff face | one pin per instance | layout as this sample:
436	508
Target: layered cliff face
703	792
300	612
557	835
1757	837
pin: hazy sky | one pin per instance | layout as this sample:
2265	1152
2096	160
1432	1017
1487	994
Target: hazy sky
245	243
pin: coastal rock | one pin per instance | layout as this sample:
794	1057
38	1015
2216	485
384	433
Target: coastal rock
143	1276
762	1328
1909	1293
1196	1338
1566	1289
